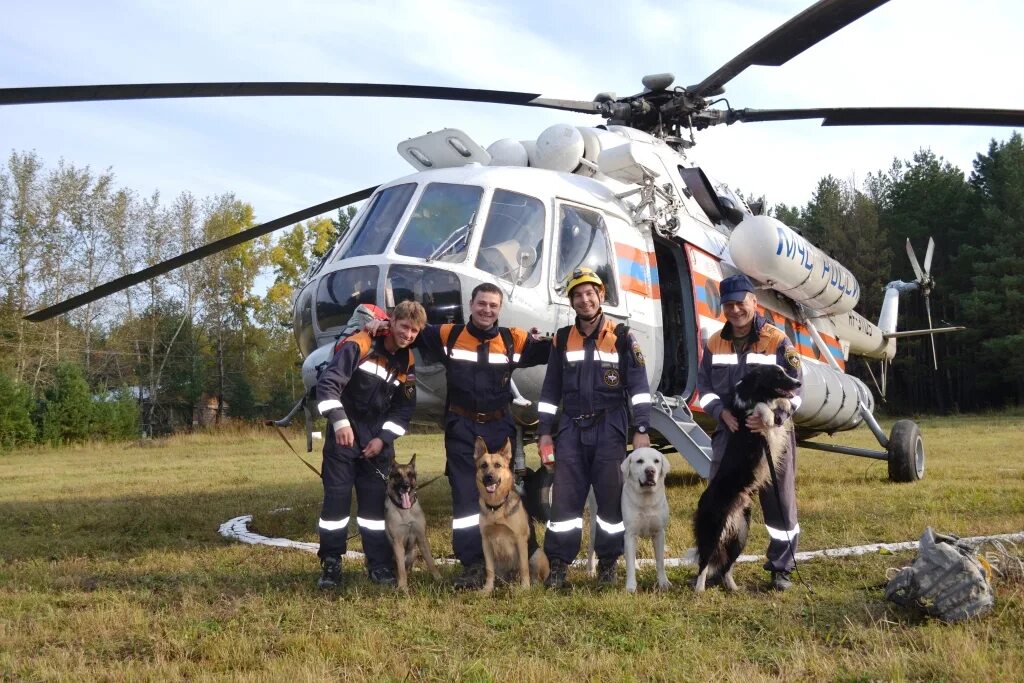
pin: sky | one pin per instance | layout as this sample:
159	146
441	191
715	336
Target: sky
283	154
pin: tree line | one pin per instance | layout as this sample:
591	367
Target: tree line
197	344
977	223
192	346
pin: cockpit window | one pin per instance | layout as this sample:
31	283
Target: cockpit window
513	238
583	241
440	226
341	291
374	232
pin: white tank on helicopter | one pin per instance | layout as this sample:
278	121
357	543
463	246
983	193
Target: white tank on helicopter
770	251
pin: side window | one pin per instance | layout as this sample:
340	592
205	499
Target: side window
441	223
374	232
341	291
513	239
583	241
303	321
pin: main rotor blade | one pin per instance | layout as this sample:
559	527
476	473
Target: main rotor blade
928	256
156	91
914	264
252	233
887	116
811	26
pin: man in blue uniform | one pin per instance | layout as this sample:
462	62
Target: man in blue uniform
596	373
747	339
367	393
479	358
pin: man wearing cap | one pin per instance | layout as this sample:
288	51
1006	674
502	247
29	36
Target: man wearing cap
596	372
748	339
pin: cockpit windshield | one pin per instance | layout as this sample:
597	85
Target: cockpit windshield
442	223
380	220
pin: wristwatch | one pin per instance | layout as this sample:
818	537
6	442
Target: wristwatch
641	429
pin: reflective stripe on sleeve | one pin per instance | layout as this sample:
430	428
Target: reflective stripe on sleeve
760	359
637	399
370	524
548	408
725	359
610	528
341	424
466	522
394	428
708	398
327	525
568	525
330	404
782	534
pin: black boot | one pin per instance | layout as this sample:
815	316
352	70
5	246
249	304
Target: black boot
471	578
383	576
330	573
607	576
780	581
556	578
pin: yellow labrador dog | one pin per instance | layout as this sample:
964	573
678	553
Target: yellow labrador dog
644	509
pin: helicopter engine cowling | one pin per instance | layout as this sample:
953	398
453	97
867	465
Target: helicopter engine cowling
829	400
770	251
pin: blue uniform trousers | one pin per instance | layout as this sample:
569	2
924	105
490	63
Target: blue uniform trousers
342	469
587	453
459	442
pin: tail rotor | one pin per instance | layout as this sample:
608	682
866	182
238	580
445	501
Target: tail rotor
926	282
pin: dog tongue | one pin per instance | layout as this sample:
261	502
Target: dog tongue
406	501
492	488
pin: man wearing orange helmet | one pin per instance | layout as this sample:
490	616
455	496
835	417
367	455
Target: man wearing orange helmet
596	373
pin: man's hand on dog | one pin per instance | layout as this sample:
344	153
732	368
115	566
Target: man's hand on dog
344	436
641	441
373	448
729	420
755	424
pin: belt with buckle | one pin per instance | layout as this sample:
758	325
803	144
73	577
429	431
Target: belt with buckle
480	418
580	419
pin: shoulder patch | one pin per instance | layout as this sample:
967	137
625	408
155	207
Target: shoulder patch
792	357
638	355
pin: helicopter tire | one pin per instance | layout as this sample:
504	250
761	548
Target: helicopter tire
906	452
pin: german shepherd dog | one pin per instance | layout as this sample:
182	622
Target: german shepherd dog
506	528
722	520
404	523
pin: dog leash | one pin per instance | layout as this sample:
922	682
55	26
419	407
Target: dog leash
292	448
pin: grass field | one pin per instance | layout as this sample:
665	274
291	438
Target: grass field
111	568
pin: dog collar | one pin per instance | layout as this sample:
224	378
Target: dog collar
495	508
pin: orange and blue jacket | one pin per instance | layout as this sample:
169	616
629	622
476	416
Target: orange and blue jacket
593	375
365	385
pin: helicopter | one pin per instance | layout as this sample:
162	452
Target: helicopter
624	197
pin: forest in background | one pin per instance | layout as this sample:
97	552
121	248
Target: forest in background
198	343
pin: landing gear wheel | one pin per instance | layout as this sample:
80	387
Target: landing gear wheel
906	452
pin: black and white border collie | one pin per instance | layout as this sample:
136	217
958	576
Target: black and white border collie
722	519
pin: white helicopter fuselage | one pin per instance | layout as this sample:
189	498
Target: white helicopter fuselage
435	234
